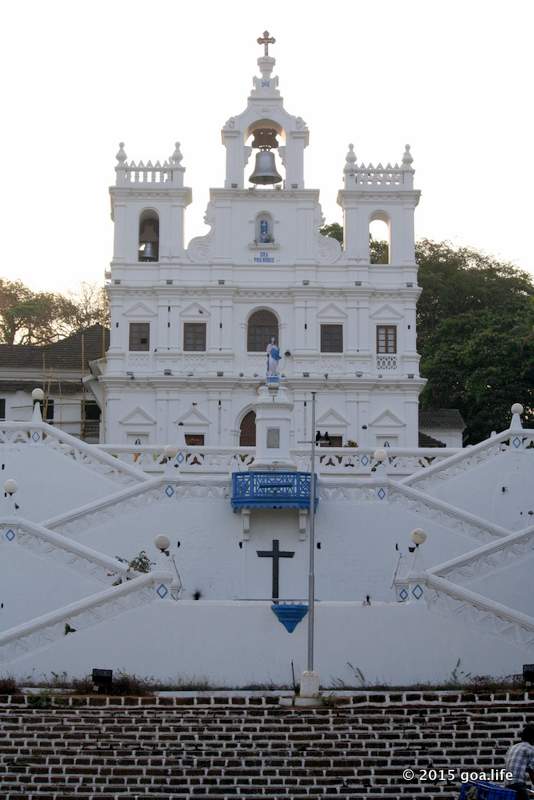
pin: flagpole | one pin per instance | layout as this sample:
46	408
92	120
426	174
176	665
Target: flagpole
311	561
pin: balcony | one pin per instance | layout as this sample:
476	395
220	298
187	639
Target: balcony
271	490
386	361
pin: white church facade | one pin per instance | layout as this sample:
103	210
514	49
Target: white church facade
205	467
190	325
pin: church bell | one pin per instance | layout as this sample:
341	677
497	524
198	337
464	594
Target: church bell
149	252
265	169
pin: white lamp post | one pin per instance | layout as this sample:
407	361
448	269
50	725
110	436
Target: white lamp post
37	399
418	536
162	542
516	424
11	487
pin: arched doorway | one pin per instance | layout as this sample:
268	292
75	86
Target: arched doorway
247	430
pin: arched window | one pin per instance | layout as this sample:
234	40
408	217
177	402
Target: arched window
379	238
148	236
264	229
247	430
262	326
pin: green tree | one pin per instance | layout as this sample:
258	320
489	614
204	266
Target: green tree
378	250
475	334
33	317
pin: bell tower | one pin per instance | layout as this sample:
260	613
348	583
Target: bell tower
265	119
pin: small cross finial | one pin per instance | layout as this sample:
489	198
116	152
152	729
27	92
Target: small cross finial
266	40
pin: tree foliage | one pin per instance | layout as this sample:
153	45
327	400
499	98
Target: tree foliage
33	317
475	319
378	250
475	334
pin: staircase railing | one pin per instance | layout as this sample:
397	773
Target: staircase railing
53	626
44	542
443	513
514	439
81	518
87	455
494	617
488	557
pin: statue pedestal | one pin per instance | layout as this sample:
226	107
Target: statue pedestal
273	426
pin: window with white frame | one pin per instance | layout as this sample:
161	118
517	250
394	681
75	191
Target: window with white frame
195	336
331	338
386	339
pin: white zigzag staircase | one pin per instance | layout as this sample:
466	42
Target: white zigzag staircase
500	545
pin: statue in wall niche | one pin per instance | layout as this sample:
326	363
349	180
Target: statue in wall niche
273	358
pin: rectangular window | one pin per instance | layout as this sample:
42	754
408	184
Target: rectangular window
331	338
386	338
195	336
47	409
2	408
139	336
194	439
273	438
90	420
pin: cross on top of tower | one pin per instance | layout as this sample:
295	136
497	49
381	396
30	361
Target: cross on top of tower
266	40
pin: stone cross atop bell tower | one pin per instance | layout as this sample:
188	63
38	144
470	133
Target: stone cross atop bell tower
266	85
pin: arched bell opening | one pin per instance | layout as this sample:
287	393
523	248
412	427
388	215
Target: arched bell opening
247	430
148	249
262	326
379	238
265	140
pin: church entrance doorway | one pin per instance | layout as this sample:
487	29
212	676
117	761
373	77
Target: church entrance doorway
247	430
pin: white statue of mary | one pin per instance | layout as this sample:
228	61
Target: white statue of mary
273	358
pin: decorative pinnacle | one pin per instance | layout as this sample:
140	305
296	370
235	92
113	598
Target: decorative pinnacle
266	40
407	158
177	155
350	159
121	155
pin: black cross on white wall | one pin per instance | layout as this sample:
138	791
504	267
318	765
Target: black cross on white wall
276	554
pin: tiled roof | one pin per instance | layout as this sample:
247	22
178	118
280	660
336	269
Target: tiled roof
64	354
447	418
429	441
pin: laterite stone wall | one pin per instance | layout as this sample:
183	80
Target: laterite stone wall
250	747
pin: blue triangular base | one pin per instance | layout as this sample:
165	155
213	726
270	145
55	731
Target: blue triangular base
289	614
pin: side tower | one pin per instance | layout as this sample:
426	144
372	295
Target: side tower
148	203
388	269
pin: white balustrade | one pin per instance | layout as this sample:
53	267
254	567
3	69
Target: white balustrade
338	461
484	613
43	631
386	362
50	544
140	173
466	458
87	455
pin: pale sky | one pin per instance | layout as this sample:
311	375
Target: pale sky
453	79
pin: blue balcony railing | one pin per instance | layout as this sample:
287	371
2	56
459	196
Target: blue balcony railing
271	490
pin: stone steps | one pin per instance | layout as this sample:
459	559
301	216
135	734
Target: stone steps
86	748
